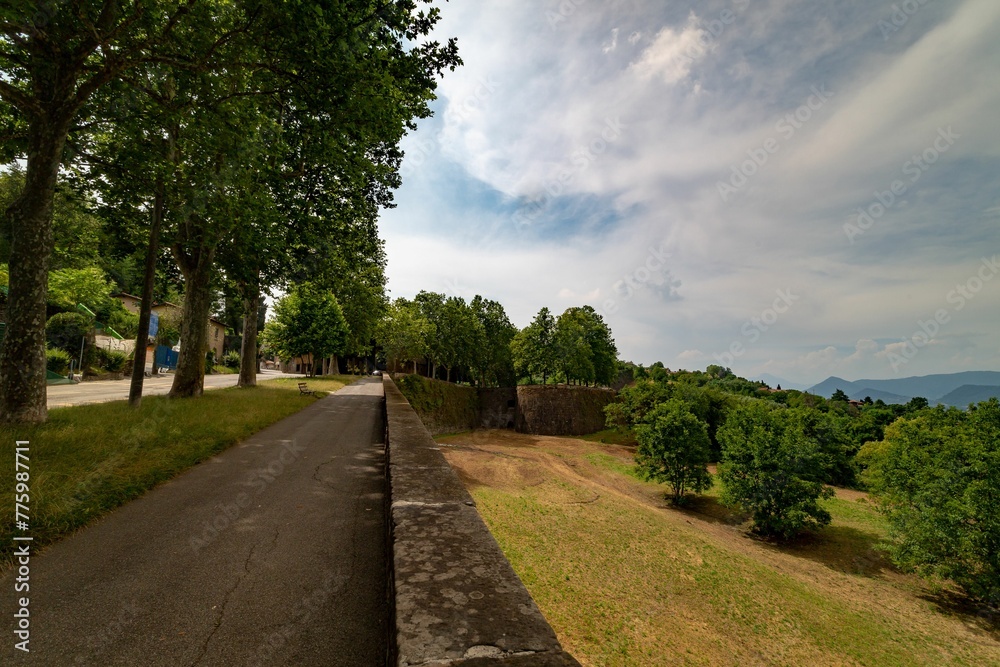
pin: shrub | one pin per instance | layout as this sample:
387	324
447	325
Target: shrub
57	360
773	471
936	478
65	331
231	359
674	448
110	360
123	321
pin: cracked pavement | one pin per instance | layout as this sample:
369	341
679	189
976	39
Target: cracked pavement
271	553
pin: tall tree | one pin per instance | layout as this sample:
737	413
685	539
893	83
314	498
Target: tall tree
674	448
53	58
307	320
773	471
492	360
534	347
403	333
431	305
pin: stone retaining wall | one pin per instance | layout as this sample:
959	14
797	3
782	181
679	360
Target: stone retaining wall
457	599
561	409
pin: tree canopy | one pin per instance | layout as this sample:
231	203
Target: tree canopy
245	134
307	320
936	478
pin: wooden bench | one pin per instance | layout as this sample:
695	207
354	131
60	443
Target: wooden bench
303	389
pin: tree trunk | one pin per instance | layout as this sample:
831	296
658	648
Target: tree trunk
248	350
146	305
189	378
22	358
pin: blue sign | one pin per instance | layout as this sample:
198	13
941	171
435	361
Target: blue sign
154	324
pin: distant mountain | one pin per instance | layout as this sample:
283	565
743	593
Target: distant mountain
829	386
931	387
773	381
969	393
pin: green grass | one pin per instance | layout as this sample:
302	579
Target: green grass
612	436
626	583
89	459
614	464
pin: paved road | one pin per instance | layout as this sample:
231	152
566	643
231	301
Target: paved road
61	395
272	553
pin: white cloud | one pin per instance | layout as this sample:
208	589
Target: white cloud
674	52
516	119
612	44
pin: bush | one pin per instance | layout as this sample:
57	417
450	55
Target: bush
124	322
674	448
210	359
231	359
936	478
57	360
112	361
773	471
65	331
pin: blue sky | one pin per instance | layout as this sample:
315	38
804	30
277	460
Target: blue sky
800	189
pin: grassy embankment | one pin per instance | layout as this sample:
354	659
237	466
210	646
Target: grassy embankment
627	580
443	407
89	459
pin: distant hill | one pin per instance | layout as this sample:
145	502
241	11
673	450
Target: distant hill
931	387
829	386
969	393
875	394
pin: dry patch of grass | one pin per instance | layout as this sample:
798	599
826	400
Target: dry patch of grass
89	459
627	580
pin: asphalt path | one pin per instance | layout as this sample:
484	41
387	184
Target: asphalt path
62	395
272	553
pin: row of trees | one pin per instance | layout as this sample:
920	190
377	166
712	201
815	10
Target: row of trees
467	339
477	341
254	142
576	347
933	472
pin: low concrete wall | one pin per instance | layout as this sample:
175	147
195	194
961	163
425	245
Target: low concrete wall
561	409
457	599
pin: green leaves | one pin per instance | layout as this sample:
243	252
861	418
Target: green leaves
674	448
308	320
403	332
772	470
936	478
578	343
